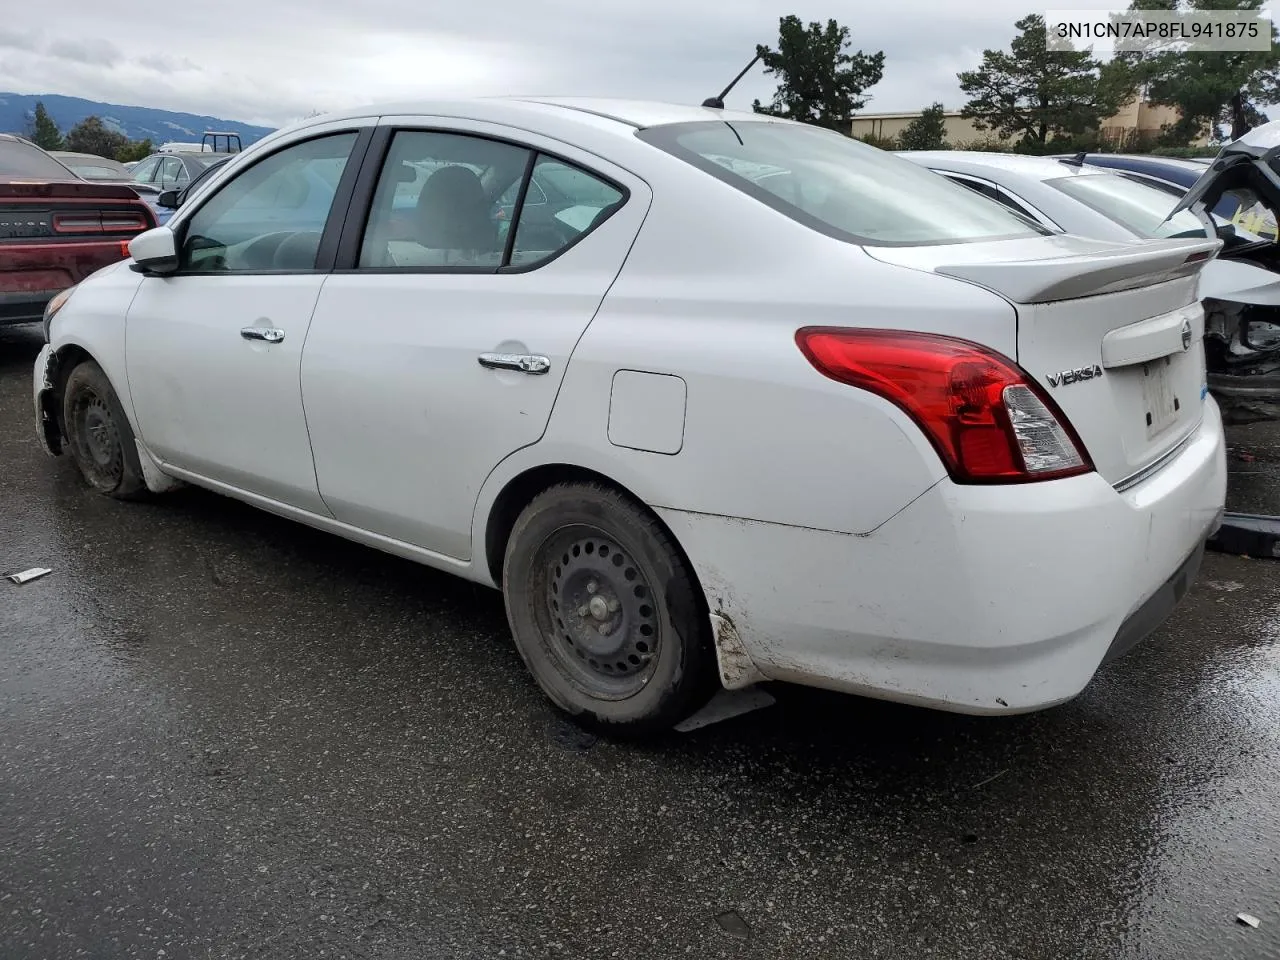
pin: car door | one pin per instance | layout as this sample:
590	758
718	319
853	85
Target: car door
214	349
438	346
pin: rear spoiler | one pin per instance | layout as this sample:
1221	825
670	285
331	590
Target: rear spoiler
1088	274
64	190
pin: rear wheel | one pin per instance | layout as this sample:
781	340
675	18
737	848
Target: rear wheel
605	611
99	437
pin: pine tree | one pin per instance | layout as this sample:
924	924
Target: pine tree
42	131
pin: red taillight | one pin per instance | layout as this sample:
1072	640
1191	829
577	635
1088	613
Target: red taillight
986	418
104	221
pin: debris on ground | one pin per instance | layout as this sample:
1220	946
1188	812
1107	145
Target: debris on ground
726	705
983	783
1248	919
733	924
28	575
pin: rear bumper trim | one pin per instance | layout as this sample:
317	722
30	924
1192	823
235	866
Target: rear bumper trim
1158	464
1143	621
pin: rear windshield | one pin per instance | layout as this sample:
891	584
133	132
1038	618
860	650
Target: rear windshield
93	171
23	160
838	185
1138	207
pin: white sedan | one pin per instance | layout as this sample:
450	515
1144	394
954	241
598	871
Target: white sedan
711	397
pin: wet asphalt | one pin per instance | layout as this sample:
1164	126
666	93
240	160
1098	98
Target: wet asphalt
226	735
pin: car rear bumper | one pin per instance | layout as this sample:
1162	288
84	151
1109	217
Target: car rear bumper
35	274
25	306
971	599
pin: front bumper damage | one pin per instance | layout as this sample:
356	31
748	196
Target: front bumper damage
45	396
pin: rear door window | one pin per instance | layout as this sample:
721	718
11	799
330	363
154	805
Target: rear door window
452	202
837	185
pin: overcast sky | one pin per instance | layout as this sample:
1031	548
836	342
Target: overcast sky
272	61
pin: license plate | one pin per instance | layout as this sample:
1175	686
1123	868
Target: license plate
1157	390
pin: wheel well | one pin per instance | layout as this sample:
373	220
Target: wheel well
519	493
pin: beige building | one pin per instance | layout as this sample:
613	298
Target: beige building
1138	115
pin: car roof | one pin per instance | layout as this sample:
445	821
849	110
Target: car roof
636	114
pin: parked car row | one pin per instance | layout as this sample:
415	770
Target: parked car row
711	397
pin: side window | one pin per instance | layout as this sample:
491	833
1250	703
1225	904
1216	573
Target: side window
1016	207
578	202
975	186
438	202
271	215
171	172
145	171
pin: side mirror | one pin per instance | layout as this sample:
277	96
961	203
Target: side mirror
169	199
155	251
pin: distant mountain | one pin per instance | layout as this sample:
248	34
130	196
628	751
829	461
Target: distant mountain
136	123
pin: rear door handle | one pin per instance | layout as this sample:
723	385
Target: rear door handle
523	362
269	334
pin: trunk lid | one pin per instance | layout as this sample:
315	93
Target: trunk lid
53	212
1111	331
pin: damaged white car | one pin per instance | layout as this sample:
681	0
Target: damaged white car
711	397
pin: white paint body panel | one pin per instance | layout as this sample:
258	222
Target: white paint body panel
829	541
646	411
213	403
920	611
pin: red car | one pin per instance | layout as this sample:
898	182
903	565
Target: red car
55	228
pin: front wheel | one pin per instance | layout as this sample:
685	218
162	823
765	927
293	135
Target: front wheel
99	437
605	611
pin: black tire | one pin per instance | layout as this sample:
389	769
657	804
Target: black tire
99	437
632	656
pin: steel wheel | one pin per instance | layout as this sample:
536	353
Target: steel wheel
99	437
599	613
605	611
97	440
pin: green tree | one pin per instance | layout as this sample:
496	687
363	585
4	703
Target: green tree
819	81
1207	87
42	131
1033	93
91	135
927	131
135	150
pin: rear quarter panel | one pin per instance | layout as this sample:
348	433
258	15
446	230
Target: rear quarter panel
713	292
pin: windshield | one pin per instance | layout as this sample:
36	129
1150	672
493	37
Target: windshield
18	159
1137	207
838	185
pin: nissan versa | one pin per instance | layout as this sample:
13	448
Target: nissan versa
725	398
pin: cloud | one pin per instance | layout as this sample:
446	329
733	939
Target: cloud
93	51
273	62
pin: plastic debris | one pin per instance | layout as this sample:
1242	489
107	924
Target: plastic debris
733	924
1248	919
28	575
726	705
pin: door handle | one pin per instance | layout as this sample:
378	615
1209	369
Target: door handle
523	362
269	334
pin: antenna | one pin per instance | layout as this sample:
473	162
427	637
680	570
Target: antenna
1076	161
717	103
